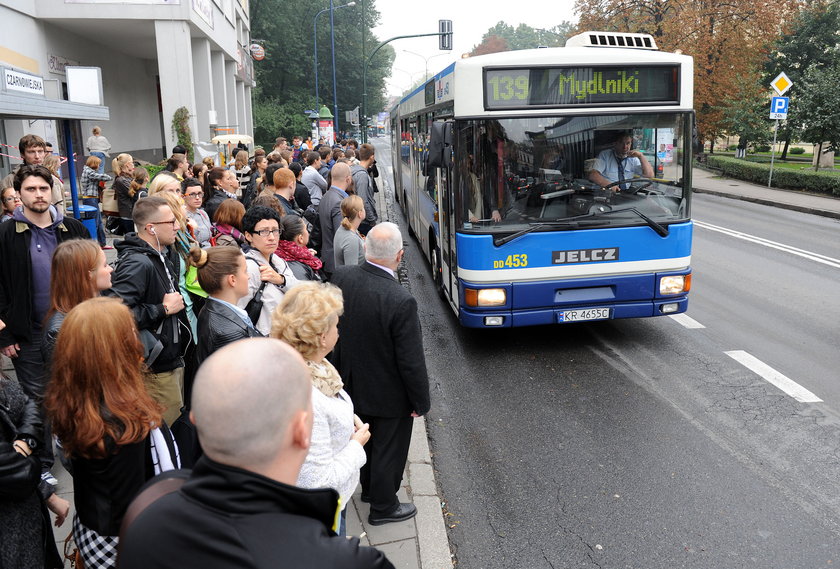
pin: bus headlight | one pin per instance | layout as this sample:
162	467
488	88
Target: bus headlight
674	284
485	297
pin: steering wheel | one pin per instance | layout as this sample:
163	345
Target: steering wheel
634	188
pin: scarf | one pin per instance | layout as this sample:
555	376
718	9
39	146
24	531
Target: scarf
291	251
325	377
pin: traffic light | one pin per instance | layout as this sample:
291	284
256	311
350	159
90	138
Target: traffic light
445	39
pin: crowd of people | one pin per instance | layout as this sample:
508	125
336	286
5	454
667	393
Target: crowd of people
252	328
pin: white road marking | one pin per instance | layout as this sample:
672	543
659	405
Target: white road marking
686	320
772	376
810	255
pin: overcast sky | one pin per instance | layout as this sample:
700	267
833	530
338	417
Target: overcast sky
470	21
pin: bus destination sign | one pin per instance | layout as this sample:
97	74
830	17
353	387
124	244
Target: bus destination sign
546	87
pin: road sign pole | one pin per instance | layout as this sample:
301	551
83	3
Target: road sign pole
773	153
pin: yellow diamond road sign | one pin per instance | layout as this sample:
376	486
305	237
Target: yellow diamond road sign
781	83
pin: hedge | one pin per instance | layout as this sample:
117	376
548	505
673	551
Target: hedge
153	169
803	180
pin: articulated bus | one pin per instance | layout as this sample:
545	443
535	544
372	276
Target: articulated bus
496	166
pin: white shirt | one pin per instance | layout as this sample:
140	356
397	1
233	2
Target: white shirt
607	164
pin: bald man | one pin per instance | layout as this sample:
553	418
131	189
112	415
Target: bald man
329	212
239	507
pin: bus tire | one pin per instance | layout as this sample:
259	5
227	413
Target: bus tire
437	267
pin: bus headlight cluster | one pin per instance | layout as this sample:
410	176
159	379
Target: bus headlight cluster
485	296
674	284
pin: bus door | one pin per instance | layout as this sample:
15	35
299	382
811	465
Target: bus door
446	237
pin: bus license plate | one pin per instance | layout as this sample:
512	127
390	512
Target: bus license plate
583	314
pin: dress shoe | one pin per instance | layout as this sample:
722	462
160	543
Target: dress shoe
403	511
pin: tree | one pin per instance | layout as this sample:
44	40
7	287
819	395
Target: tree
504	37
286	77
744	113
818	109
727	38
812	42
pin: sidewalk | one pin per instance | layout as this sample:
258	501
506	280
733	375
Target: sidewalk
420	543
706	182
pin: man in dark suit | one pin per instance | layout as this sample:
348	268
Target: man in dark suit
329	213
380	358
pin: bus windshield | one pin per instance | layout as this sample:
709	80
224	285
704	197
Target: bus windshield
577	171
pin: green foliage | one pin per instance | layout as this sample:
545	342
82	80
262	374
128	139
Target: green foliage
181	130
745	112
797	150
273	118
504	37
762	148
153	169
818	106
286	77
803	180
812	42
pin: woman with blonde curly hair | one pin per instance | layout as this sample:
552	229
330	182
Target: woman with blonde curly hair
109	426
307	319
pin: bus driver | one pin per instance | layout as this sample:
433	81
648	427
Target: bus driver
619	163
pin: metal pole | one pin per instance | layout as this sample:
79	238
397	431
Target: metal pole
335	90
773	154
315	36
364	75
71	170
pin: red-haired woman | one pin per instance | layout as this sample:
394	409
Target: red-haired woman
108	424
79	272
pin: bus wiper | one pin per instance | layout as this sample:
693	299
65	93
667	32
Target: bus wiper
662	230
533	227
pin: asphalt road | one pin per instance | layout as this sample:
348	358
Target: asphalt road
641	443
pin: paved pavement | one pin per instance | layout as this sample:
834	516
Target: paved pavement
707	182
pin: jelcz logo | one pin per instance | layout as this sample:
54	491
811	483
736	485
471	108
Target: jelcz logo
584	256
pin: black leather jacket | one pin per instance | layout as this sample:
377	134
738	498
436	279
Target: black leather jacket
19	417
219	326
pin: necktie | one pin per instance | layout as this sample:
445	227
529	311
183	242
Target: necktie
620	164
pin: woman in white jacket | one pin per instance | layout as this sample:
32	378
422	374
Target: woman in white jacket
267	272
307	319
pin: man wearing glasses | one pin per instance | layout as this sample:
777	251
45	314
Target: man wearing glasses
145	278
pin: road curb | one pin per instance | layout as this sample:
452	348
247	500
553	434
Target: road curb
773	203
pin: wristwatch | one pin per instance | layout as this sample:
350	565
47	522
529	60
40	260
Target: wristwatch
32	443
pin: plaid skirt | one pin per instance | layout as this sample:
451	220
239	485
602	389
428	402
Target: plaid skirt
98	551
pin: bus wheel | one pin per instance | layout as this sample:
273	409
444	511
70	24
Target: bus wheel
437	268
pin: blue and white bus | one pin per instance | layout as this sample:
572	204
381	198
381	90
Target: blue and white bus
494	162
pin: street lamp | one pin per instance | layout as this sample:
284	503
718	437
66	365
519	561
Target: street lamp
315	36
424	58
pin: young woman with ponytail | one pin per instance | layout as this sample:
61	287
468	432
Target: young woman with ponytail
349	245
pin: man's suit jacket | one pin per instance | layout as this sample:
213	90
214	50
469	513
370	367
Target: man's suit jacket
329	213
380	348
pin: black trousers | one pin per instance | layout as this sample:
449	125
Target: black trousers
29	369
387	453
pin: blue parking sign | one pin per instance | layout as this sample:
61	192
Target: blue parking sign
779	107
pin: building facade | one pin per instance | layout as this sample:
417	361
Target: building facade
155	56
